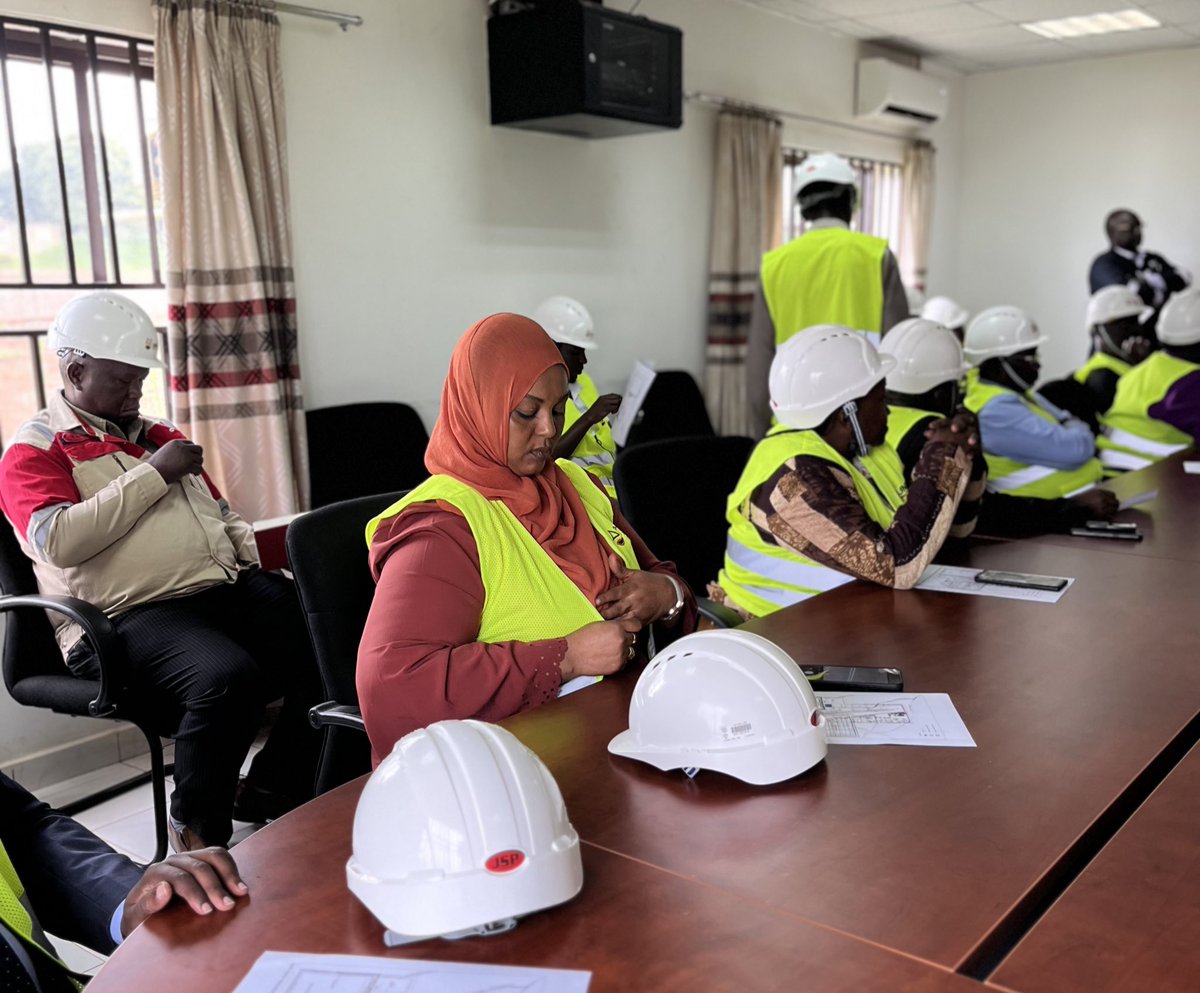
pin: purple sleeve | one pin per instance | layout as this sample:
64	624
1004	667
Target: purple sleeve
1181	406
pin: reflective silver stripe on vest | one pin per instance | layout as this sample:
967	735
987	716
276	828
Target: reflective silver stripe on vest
807	577
1115	459
1022	477
584	461
781	598
1159	448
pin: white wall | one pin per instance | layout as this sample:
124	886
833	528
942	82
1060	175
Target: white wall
1048	152
413	217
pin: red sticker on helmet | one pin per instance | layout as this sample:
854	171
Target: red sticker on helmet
505	861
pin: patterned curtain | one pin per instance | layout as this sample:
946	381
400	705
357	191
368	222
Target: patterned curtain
746	222
916	213
231	333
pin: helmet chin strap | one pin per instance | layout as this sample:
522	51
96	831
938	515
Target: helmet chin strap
1012	374
850	409
1113	348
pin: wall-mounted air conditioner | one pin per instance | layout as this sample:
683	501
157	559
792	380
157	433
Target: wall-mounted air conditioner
892	92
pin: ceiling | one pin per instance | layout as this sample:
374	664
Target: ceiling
977	35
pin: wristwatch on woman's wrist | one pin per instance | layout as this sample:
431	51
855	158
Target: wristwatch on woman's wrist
671	614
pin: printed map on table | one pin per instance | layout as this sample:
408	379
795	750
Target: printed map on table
892	719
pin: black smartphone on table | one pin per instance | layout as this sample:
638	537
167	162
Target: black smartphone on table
854	677
1025	580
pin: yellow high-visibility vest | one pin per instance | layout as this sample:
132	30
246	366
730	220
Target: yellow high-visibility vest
825	276
1128	424
527	597
1007	475
596	451
17	917
761	577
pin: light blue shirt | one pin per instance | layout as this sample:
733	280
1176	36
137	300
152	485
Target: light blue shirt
1012	430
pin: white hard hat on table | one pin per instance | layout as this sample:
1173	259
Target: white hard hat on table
461	829
729	701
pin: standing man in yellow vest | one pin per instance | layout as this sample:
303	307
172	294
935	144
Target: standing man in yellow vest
827	275
1115	318
1033	448
822	500
1156	411
54	873
587	436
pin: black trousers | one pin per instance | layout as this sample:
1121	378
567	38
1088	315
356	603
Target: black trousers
206	666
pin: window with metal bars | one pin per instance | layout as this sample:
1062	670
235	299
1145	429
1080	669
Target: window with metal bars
880	189
79	193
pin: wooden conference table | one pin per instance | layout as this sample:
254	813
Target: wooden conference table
883	868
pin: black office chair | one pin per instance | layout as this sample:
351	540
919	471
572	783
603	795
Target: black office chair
358	449
327	552
36	676
674	408
674	493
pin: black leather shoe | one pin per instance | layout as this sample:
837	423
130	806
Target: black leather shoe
184	839
257	805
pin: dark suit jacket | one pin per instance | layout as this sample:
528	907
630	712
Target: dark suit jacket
1109	269
73	879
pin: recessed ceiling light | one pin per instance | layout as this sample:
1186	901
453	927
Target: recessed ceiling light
1073	27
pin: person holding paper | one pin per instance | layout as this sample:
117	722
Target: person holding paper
587	438
822	500
507	573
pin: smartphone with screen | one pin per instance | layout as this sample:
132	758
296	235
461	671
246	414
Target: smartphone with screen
853	677
1090	532
1114	526
1025	580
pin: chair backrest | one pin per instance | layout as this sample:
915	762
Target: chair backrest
358	449
674	408
27	645
327	552
674	493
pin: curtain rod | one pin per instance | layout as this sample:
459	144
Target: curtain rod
731	104
343	21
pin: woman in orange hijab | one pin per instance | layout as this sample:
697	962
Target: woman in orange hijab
506	574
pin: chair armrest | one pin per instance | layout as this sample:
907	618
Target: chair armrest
340	715
721	615
98	629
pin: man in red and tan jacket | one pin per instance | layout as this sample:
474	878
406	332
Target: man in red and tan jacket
115	508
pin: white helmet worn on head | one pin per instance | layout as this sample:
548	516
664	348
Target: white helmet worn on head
926	353
819	369
1179	320
998	332
461	829
729	701
1111	303
824	167
566	320
946	312
106	325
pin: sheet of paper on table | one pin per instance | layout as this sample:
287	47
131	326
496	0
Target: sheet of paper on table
1192	468
1133	501
293	972
892	719
961	579
640	381
578	683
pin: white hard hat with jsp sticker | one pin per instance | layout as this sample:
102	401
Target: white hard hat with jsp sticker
106	325
460	831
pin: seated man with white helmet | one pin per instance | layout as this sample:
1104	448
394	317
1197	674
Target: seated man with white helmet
1115	316
586	437
1156	410
115	508
922	389
816	507
1033	448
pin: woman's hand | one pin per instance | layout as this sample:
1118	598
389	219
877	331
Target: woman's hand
599	649
640	596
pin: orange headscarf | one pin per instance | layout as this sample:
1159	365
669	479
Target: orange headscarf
493	368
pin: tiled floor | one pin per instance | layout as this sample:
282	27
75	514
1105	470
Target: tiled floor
126	822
